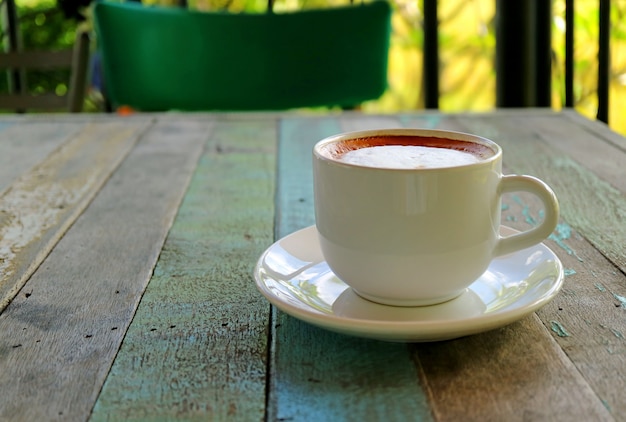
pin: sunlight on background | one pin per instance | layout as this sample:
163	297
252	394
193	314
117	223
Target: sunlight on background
467	58
467	52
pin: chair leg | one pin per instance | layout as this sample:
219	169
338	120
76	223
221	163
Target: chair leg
78	79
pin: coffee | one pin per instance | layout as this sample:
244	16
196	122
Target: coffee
408	152
408	157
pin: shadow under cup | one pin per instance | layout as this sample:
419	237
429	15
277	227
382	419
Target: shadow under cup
415	234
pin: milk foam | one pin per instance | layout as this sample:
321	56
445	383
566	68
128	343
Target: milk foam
408	157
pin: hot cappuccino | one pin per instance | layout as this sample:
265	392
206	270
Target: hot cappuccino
408	152
408	157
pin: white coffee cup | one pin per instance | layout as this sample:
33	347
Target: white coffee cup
416	236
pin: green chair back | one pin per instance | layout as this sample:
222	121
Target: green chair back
157	59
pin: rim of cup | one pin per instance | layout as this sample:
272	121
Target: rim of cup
320	146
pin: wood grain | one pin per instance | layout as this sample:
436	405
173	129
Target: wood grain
515	373
22	146
197	347
44	201
60	336
141	304
563	385
514	396
527	149
587	318
316	374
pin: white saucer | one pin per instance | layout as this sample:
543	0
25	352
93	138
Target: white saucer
293	276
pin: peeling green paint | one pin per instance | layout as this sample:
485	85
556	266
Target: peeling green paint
600	287
569	271
559	329
529	218
622	299
563	232
525	210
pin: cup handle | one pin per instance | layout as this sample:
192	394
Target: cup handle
517	183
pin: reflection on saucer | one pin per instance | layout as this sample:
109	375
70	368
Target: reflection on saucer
351	305
293	276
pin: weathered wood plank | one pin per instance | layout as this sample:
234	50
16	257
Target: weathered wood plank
316	374
514	396
42	203
596	127
24	146
587	144
294	198
580	260
197	347
601	220
509	374
60	336
539	376
587	319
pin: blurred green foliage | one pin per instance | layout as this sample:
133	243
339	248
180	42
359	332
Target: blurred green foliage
43	26
467	49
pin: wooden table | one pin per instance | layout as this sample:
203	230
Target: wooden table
127	249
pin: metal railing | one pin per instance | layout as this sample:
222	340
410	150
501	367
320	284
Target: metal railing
10	33
524	54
